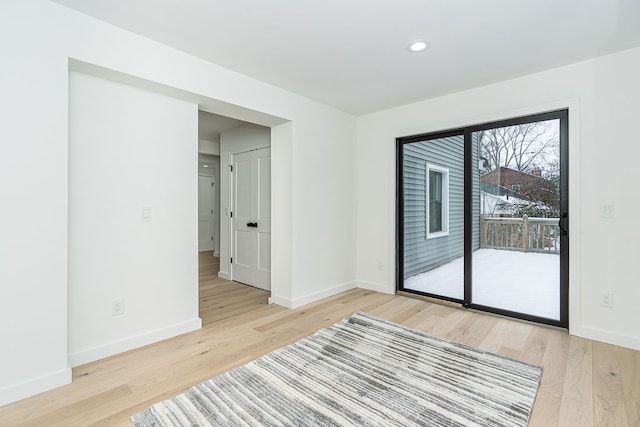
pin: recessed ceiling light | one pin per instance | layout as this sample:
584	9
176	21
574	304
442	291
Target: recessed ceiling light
419	46
205	165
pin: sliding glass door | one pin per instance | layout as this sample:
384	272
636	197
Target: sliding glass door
433	215
517	267
483	217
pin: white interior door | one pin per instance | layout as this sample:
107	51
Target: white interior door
205	213
252	218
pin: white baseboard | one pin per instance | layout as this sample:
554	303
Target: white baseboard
224	275
284	302
120	346
608	337
378	287
313	297
34	386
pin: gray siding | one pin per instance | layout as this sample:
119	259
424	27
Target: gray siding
422	254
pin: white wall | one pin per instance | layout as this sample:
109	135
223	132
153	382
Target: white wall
282	213
602	97
234	141
209	147
130	148
33	187
324	210
39	41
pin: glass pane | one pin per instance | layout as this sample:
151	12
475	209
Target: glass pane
435	216
435	185
516	263
435	201
434	264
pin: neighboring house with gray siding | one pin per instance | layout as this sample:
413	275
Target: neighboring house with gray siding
434	203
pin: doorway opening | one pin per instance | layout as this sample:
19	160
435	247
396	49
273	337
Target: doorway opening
483	216
242	187
208	204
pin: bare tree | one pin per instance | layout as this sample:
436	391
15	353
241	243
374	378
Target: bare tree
520	146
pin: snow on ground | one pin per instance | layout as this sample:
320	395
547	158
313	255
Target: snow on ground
524	282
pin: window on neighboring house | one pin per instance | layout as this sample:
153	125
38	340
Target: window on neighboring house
516	188
437	201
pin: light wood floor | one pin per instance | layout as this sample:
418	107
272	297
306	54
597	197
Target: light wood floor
585	383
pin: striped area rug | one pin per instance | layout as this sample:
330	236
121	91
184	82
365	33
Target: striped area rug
362	371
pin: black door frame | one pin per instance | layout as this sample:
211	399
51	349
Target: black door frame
467	131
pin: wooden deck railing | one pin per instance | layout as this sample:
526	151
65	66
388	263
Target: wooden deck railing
520	234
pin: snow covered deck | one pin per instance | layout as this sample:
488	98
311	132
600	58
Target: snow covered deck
524	282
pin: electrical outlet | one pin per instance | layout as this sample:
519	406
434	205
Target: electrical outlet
380	266
606	300
117	307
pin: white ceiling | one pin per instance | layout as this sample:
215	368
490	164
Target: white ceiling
352	54
210	125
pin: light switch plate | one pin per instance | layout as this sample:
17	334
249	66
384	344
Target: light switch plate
607	211
146	213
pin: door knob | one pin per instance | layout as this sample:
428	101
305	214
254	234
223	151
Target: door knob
252	224
563	223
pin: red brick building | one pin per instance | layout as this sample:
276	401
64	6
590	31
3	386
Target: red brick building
529	185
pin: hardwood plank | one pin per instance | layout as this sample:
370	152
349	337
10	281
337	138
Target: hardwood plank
448	321
535	346
608	395
546	411
472	330
577	396
427	316
397	310
629	364
496	336
78	412
518	335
